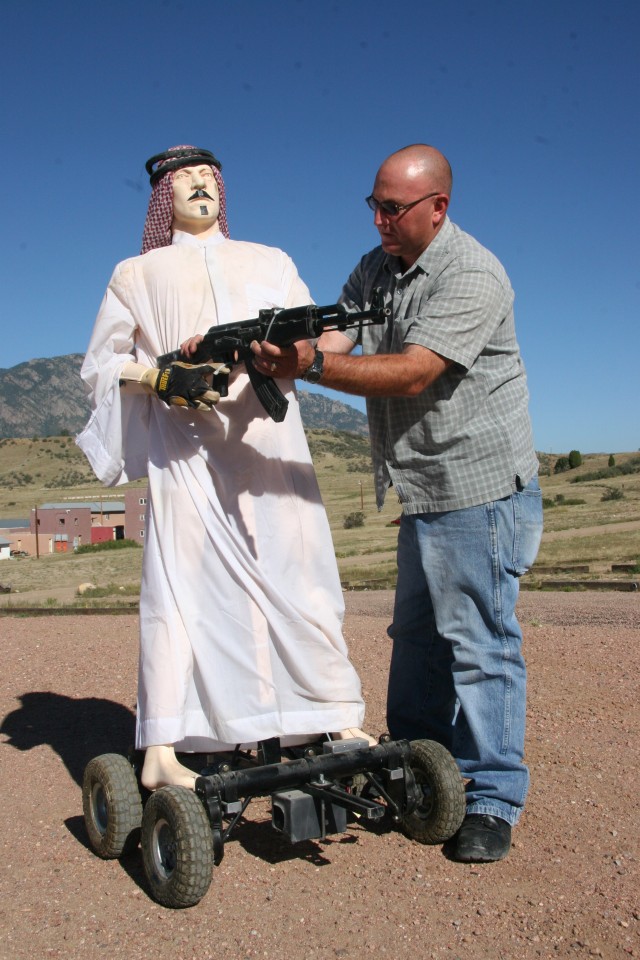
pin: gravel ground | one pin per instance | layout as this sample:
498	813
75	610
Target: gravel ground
567	889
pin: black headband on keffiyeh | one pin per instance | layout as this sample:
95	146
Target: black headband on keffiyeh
157	228
176	157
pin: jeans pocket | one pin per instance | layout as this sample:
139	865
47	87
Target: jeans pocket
527	507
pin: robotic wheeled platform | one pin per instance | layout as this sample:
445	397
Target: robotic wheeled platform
314	790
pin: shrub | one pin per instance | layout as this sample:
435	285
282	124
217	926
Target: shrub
561	501
18	479
107	545
359	466
353	520
611	461
631	466
612	493
70	479
575	459
562	465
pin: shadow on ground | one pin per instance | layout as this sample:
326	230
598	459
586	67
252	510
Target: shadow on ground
76	730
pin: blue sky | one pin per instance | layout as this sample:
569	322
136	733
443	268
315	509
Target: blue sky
534	103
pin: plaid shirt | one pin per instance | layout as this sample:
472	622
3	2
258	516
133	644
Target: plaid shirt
466	439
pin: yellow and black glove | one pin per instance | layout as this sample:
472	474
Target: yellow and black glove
199	386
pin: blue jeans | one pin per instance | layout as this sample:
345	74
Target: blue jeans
457	672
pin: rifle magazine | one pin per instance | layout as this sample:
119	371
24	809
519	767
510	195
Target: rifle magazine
268	393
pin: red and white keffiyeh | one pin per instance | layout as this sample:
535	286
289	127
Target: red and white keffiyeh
157	227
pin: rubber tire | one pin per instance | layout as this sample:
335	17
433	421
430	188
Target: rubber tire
433	765
112	805
177	847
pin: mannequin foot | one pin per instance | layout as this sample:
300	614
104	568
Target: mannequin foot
162	769
354	733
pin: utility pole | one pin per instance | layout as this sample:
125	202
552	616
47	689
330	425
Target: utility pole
35	510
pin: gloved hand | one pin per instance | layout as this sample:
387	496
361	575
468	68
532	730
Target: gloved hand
187	385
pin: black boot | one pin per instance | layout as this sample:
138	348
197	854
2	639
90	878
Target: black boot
481	839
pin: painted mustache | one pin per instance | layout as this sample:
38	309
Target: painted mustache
200	194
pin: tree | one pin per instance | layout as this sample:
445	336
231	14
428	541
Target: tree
562	465
575	459
612	460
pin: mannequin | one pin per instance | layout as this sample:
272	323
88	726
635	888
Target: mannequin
240	607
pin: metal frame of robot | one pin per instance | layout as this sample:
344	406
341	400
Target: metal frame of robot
182	833
309	800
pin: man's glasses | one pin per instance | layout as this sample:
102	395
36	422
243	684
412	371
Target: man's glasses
392	209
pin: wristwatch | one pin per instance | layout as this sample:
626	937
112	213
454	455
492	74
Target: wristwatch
313	373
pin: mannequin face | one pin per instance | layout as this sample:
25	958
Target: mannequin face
196	203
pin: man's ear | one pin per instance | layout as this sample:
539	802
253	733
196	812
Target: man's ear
440	205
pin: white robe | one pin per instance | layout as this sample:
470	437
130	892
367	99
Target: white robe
240	607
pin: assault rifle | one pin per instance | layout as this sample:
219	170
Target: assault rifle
231	342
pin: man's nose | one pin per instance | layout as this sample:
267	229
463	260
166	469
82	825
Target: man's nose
378	218
197	181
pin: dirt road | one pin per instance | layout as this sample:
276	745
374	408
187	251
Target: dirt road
568	889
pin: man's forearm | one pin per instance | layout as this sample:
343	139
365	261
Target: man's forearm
384	375
403	374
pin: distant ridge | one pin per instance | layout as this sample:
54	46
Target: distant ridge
45	397
320	412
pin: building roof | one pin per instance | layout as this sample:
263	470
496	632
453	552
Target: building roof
98	506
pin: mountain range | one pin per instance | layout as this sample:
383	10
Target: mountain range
46	397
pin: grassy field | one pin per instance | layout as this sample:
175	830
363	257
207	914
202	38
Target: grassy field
605	527
580	526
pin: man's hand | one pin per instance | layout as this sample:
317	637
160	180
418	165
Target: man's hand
187	385
286	363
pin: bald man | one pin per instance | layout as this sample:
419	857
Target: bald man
447	402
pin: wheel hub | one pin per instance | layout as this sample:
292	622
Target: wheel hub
99	808
163	849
